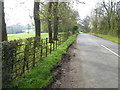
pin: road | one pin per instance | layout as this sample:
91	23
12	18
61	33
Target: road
93	65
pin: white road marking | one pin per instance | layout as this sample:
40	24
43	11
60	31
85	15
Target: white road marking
110	50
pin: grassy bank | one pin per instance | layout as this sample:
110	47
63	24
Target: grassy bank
107	37
41	76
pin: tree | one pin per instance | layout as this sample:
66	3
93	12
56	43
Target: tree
3	32
50	22
75	28
1	21
56	19
118	18
111	14
37	19
67	17
60	17
85	24
107	19
108	13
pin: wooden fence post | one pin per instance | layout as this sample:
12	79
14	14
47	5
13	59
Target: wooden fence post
53	46
41	48
56	44
60	39
34	47
46	46
25	63
50	47
15	45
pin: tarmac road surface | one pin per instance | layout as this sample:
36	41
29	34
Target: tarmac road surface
94	65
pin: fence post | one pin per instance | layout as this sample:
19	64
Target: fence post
15	45
25	62
56	44
34	47
50	47
60	39
46	46
41	48
53	46
7	60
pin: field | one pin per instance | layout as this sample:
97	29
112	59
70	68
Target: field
24	35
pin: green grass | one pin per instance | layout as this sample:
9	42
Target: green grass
107	37
24	35
41	76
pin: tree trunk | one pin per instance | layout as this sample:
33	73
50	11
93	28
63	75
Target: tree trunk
37	20
3	32
50	22
0	21
56	20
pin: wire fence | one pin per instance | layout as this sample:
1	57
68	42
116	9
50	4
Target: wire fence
20	56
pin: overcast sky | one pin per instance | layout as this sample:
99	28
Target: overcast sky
18	11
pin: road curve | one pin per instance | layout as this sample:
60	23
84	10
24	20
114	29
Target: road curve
95	64
99	64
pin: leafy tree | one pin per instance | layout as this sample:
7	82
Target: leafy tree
85	24
75	28
60	17
104	19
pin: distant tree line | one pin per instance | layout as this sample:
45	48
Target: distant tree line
18	28
104	19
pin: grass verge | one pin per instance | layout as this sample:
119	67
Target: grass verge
107	37
41	75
